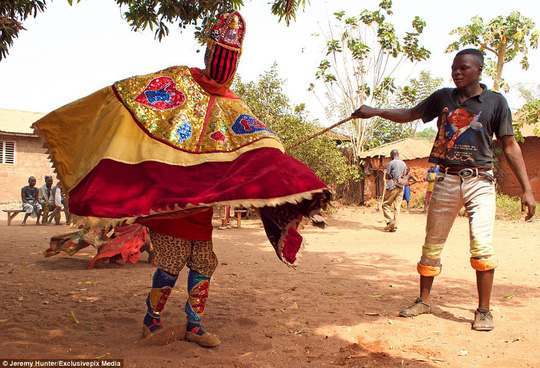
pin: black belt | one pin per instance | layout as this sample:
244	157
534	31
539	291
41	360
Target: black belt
468	172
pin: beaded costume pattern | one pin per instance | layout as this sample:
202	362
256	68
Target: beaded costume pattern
171	107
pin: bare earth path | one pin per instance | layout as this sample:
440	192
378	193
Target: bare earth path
339	308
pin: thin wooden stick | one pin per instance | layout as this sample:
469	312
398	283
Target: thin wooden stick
319	133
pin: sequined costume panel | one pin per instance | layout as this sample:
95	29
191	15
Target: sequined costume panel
168	105
171	107
232	125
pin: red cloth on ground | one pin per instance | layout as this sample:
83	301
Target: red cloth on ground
127	242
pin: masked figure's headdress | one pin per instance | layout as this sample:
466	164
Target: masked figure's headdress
225	47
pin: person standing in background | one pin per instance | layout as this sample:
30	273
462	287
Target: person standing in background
393	196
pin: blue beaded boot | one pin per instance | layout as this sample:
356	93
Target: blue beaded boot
162	284
197	295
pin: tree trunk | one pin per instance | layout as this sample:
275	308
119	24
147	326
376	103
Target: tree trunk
501	55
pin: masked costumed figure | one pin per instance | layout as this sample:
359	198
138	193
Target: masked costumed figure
163	150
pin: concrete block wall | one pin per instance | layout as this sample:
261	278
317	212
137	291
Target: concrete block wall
30	160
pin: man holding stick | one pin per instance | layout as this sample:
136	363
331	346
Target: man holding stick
465	177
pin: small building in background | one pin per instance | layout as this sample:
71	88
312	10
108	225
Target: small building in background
21	153
506	180
413	151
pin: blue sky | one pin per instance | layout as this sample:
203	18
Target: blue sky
69	52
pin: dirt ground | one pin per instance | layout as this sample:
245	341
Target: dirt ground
338	308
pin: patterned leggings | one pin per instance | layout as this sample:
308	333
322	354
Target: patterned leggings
172	254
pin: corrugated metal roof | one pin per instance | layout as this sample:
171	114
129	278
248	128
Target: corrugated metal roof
17	121
408	148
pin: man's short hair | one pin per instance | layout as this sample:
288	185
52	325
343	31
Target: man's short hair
48	176
394	152
474	52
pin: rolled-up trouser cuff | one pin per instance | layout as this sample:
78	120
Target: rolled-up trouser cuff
484	264
428	271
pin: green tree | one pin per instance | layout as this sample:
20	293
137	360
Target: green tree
159	14
504	37
363	54
418	89
529	114
270	105
12	15
153	14
428	133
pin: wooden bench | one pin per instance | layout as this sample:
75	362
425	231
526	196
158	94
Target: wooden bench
11	215
238	214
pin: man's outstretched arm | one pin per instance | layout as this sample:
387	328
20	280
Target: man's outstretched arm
515	160
395	115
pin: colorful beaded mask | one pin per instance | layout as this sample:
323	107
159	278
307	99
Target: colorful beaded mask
225	47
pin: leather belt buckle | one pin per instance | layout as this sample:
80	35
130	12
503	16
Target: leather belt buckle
466	173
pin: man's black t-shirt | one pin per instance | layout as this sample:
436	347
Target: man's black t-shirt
465	130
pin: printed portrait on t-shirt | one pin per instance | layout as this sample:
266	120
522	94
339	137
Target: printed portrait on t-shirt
459	136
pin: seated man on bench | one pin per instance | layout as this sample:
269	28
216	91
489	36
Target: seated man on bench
46	199
29	198
60	204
